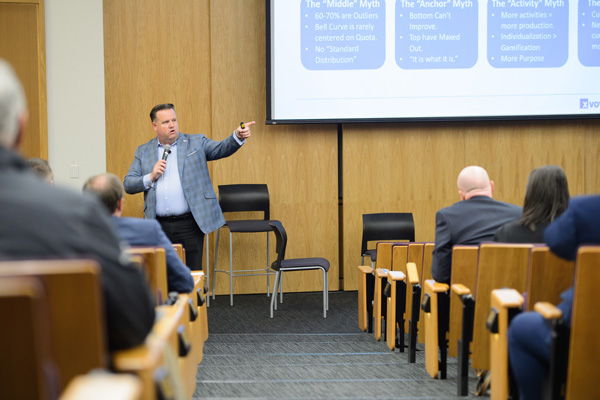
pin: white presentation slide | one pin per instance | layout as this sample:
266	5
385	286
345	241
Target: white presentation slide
345	60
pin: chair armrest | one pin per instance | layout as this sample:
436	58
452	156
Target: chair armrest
548	310
381	273
365	269
396	276
413	275
460	289
436	287
508	298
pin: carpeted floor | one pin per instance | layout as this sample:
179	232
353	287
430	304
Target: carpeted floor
301	355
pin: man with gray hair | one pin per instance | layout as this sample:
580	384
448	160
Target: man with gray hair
138	231
472	220
43	221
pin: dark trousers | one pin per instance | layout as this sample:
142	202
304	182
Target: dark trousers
184	229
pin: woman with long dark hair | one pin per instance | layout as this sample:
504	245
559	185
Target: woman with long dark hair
546	198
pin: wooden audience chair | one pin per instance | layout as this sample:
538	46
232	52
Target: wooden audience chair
396	327
163	363
397	283
415	311
27	370
77	329
505	305
464	271
415	256
499	265
464	259
385	254
200	331
434	330
155	269
366	288
424	274
578	377
180	251
548	277
394	291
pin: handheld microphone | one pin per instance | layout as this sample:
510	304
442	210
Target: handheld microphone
167	151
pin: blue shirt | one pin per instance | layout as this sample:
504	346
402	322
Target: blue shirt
170	198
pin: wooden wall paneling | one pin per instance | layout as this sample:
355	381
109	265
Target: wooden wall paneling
397	168
23	45
509	151
297	162
153	54
592	156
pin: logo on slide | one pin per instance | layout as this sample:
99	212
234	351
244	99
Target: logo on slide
587	104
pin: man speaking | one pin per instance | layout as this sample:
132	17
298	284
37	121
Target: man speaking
172	171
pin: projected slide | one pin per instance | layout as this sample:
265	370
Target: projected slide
402	59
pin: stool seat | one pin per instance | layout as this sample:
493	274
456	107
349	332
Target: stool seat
305	263
249	225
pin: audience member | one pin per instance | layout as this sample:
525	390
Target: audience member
529	337
546	198
43	221
42	169
139	232
472	220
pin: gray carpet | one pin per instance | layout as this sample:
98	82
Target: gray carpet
301	355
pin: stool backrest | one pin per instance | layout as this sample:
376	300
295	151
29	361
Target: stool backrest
245	197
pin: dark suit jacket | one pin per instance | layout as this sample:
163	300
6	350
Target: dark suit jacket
577	226
40	221
148	232
193	152
514	232
467	222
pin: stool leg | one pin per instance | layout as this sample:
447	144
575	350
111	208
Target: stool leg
207	271
214	279
324	294
268	265
230	268
274	297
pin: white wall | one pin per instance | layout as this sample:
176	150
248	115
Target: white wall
75	89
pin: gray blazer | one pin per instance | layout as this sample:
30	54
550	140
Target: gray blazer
193	153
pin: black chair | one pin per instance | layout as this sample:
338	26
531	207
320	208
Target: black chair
385	226
380	227
295	264
244	198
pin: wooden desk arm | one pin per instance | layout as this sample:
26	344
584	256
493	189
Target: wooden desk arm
548	310
396	276
507	298
413	275
436	287
381	273
365	269
460	289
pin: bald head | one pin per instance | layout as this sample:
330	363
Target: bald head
474	181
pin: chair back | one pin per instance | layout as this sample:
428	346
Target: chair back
583	373
548	277
387	226
281	243
76	312
245	197
27	370
499	265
